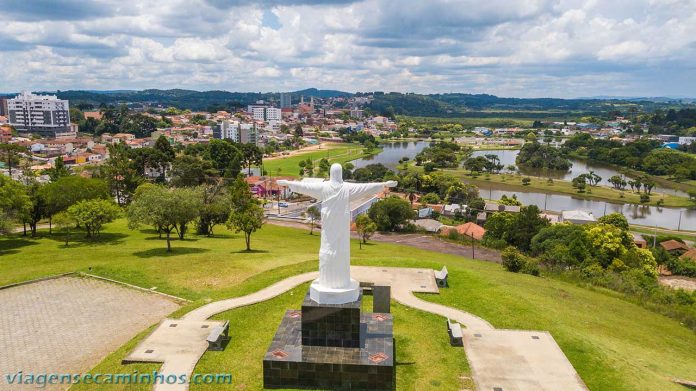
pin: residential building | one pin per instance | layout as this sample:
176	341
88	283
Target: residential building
273	114
674	246
428	225
577	217
639	241
43	114
248	134
470	229
258	113
228	130
285	100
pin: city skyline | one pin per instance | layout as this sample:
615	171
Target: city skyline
527	49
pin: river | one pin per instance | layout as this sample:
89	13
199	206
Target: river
662	217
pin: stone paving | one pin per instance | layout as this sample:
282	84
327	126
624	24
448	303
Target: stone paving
69	324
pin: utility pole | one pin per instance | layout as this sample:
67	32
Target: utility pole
679	224
473	245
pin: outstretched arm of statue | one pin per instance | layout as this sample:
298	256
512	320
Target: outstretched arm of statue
311	189
361	189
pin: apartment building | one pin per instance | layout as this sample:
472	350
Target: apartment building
43	114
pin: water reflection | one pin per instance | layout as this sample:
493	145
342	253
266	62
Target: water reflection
579	167
671	218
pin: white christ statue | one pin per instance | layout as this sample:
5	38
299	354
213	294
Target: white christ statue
334	285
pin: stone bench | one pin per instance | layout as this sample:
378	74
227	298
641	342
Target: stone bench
219	336
441	277
455	333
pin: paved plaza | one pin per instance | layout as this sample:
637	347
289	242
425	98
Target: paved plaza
69	324
500	359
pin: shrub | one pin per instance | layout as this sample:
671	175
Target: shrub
516	262
513	260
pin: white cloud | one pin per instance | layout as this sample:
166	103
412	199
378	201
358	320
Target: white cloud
523	48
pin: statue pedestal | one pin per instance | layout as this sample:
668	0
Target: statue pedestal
332	347
324	295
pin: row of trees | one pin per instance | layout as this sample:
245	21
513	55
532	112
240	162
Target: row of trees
643	155
174	210
605	245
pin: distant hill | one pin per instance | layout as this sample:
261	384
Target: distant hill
451	105
321	93
458	105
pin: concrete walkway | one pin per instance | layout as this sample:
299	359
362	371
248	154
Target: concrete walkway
505	359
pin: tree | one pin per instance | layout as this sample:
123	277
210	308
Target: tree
513	201
251	155
189	204
215	208
525	225
593	178
162	208
9	153
365	227
190	171
390	213
14	202
120	174
616	219
225	156
247	219
93	214
65	222
430	198
68	190
58	170
461	193
314	214
38	206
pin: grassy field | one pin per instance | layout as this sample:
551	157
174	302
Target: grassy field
334	152
604	193
613	344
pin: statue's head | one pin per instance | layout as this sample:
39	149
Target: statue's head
336	173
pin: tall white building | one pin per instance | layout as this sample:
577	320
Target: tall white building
229	130
238	132
265	113
273	114
43	114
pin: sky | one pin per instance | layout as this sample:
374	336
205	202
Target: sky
520	48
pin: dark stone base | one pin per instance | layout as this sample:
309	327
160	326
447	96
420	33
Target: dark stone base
289	364
331	324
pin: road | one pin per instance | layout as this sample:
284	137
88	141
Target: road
422	241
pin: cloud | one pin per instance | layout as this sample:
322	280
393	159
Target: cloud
522	48
36	10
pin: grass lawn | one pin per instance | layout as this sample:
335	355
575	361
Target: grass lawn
604	193
334	152
612	343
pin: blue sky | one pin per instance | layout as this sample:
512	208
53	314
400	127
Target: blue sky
525	48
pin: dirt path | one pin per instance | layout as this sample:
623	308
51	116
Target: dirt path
422	241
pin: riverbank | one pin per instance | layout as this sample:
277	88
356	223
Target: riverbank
663	181
557	186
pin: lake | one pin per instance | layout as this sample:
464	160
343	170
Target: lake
670	218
